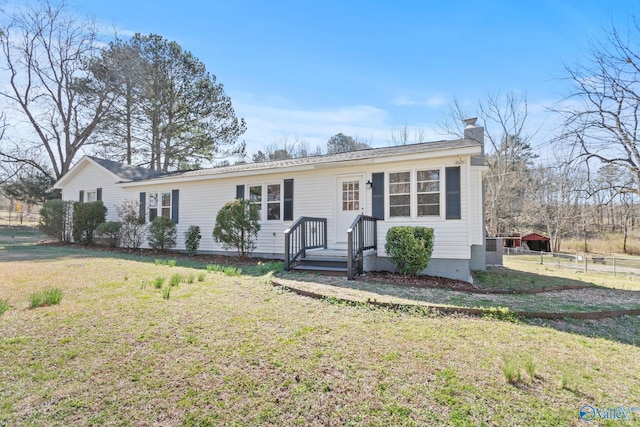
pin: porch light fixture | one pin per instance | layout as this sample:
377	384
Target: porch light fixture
369	184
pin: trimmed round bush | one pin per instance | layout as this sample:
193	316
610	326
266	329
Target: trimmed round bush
162	233
409	248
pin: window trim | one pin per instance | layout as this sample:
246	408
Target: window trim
160	206
413	185
264	203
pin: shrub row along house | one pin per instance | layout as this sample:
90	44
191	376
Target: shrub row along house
331	203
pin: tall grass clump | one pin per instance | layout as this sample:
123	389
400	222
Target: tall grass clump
4	306
224	269
530	367
175	280
48	296
158	282
201	277
511	370
166	292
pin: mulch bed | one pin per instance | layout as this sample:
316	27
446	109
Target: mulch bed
417	281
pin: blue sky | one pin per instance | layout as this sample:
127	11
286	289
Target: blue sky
312	69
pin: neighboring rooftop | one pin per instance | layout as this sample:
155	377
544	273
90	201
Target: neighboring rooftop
127	172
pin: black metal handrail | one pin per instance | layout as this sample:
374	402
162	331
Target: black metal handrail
361	236
305	233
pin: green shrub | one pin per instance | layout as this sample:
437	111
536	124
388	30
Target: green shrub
86	218
133	226
110	231
48	296
409	248
162	233
4	306
192	239
237	227
55	219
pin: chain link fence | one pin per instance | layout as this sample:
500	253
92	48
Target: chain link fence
608	264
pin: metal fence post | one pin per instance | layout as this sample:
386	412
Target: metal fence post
614	266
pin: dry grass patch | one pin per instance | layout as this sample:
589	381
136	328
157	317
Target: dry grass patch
235	350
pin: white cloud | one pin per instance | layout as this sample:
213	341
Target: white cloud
269	119
434	101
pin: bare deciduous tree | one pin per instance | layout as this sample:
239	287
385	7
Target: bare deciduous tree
602	112
509	154
45	53
286	147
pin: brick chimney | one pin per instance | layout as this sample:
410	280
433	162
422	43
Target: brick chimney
471	131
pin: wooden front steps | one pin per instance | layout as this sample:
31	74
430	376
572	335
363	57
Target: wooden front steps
323	261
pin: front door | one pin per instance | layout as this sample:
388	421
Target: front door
349	203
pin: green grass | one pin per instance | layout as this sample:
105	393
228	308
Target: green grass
511	369
175	279
224	269
233	350
45	297
4	306
158	282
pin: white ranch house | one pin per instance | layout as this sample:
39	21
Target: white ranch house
317	199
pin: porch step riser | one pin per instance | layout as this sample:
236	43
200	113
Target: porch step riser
337	263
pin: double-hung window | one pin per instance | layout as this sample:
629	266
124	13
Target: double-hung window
274	197
159	204
400	194
166	204
414	193
255	198
92	196
153	206
428	191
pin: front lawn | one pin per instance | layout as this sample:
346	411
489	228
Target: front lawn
233	350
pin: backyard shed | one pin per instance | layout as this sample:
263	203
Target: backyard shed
537	242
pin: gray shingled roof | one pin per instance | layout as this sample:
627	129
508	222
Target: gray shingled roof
370	153
127	172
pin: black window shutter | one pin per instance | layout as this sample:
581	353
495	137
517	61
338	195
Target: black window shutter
288	200
143	207
81	196
377	200
452	185
239	191
99	194
175	200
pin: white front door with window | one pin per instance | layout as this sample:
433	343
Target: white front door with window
349	203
